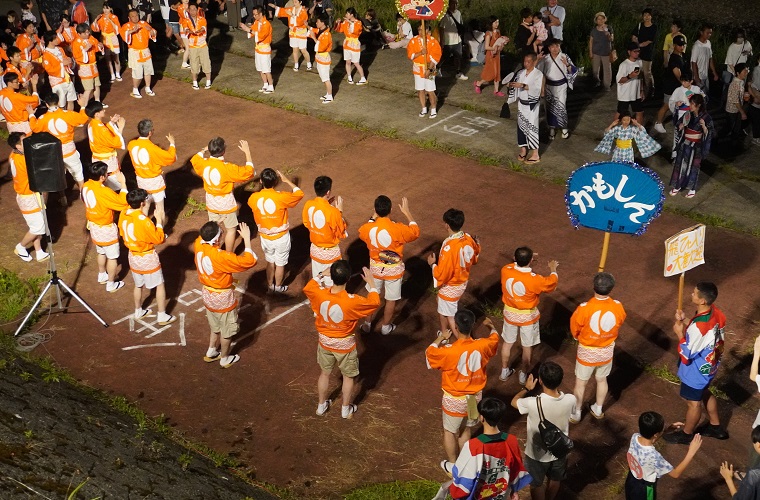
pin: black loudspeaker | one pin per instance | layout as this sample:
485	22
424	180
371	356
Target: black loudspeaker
44	163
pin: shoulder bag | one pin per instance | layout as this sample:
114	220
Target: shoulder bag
554	440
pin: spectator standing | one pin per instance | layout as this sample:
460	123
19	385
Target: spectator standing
700	345
527	90
452	28
233	14
645	35
560	73
754	108
749	488
494	43
671	79
645	462
599	48
556	406
629	89
403	34
667	46
702	61
738	52
320	7
554	17
372	32
695	134
735	113
524	37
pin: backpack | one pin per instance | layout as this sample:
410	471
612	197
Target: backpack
554	440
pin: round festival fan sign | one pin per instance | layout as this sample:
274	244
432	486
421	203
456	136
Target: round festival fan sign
422	10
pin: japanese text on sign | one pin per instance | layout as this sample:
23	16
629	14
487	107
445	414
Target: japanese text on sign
685	250
604	190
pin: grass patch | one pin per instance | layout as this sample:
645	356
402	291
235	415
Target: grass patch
492	310
719	393
16	294
706	219
662	372
408	490
193	207
738	174
489	160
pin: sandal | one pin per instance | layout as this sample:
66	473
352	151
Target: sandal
477	88
533	161
691	193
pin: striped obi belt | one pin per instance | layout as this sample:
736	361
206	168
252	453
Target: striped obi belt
556	83
624	143
692	135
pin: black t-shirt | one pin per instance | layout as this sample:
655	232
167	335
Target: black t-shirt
521	40
672	82
646	34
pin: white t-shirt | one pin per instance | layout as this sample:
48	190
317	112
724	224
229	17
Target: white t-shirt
738	53
449	27
646	462
559	12
556	411
701	54
406	30
630	90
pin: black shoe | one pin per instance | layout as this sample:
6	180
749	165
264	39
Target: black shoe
678	437
713	431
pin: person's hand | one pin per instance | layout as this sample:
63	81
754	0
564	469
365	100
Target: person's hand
446	335
701	123
35	78
564	60
404	207
680	316
743	114
245	28
367	277
727	471
530	384
634	122
281	176
244	231
696	442
757	344
715	77
431	259
121	179
120	122
553	266
423	51
243	146
339	203
29	109
170	138
487	322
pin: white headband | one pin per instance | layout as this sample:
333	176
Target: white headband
213	240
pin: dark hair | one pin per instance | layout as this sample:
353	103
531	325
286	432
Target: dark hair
625	114
98	169
465	320
82	28
756	434
93	108
259	8
650	423
383	205
372	14
491	20
50	99
14	138
325	18
647	11
49	36
698	99
632	46
532	55
705	26
399	16
739	68
145	127
25	24
454	219
707	291
133	10
217	147
524	13
268	178
24	3
12	51
493	410
538	14
10	77
107	4
136	197
340	272
209	230
550	374
686	75
523	256
739	33
677	21
351	11
604	283
322	185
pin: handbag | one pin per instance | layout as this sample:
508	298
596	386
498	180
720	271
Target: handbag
555	441
505	112
613	56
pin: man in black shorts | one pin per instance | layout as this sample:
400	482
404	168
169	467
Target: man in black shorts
629	89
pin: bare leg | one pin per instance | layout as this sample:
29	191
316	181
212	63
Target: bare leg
359	69
323	384
111	266
450	445
423	101
601	391
451	322
348	69
136	84
137	294
464	437
506	351
526	354
712	409
538	493
295	56
390	308
328	86
640	117
101	263
661	112
229	239
85	97
306	56
348	389
552	489
444	322
579	392
159	211
270	273
279	274
268	79
147	81
28	239
693	416
226	345
213	342
161	298
186	54
97	93
433	100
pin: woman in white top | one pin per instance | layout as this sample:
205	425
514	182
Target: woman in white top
403	34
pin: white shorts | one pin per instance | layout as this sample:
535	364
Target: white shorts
530	335
392	288
318	267
22	127
298	43
447	308
139	69
111	251
352	56
158	197
426	84
35	223
276	251
148	281
584	372
324	72
454	424
263	62
65	93
74	166
112	183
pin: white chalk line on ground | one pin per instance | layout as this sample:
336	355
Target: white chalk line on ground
440	121
269	322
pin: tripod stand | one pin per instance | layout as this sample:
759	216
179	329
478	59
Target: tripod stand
55	281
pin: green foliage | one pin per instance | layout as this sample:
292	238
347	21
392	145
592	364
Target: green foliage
184	460
492	310
15	295
662	372
193	207
408	490
74	492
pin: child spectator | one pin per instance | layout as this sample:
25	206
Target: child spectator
749	488
645	462
538	29
26	11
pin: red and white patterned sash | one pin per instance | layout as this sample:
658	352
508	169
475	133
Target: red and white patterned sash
27	203
383	271
68	149
144	263
224	204
452	293
595	356
521	317
151	184
325	255
456	406
343	344
22	127
221	301
104	235
274	230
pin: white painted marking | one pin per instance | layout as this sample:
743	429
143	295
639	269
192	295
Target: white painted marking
163	344
182	339
281	315
440	121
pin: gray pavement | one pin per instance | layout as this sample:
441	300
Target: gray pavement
469	125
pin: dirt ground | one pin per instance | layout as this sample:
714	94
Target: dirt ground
262	410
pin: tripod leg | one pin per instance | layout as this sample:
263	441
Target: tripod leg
33	308
81	301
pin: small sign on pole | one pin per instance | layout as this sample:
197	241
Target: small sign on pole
684	251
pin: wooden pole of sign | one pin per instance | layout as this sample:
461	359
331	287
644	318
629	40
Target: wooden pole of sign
605	247
423	34
680	290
